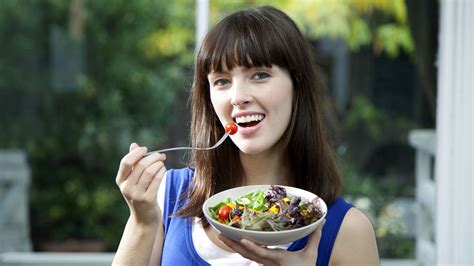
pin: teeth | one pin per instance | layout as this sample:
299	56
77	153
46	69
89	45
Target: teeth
248	118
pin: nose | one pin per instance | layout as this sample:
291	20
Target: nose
240	94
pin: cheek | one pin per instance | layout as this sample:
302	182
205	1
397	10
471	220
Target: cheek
218	104
284	102
288	109
285	110
214	99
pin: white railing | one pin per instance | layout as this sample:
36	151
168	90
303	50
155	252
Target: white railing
424	141
55	259
14	184
102	259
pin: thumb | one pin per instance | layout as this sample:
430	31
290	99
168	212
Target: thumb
133	146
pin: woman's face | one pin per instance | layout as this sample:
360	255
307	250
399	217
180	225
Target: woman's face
258	99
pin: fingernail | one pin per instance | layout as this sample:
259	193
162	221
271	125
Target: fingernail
221	238
244	241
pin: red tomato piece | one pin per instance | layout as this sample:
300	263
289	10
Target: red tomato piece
224	212
231	128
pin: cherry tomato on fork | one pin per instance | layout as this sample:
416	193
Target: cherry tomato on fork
224	212
231	128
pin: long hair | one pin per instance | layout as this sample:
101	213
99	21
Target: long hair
255	37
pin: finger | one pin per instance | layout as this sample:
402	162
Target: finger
236	246
314	239
152	190
127	163
133	146
273	255
148	174
141	165
241	248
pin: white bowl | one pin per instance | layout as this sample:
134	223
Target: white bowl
267	238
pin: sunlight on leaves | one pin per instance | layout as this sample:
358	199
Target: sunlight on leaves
358	22
168	42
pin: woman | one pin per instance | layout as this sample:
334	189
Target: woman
254	68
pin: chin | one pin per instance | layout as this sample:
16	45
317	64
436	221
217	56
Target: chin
248	149
252	149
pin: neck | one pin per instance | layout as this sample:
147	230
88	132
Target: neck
265	169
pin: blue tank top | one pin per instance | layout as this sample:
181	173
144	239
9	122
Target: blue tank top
178	248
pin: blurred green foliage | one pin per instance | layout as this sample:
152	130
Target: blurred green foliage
76	136
381	24
366	128
137	60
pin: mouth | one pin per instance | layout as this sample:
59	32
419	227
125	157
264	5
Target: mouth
249	120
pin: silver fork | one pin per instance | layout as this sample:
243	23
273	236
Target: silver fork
227	133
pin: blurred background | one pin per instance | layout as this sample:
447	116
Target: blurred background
80	80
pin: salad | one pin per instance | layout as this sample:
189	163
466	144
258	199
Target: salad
270	211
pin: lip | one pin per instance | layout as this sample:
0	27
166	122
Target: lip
248	131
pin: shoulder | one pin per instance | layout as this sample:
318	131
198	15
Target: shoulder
173	185
179	177
182	172
173	190
355	242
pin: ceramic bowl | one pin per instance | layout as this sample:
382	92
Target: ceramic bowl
267	238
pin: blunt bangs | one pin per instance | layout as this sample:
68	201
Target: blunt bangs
238	41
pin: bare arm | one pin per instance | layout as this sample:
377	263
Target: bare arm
137	243
139	179
355	243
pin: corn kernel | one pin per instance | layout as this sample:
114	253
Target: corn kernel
273	209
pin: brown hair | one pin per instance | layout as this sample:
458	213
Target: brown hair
262	36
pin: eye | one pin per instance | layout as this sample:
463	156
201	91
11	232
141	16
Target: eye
261	75
221	82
